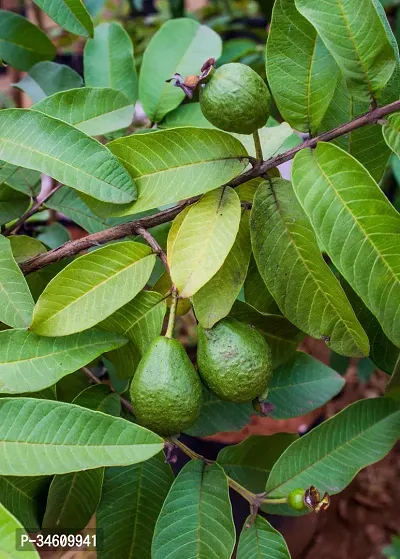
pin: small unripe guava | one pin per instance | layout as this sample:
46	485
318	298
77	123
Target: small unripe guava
296	500
235	99
234	360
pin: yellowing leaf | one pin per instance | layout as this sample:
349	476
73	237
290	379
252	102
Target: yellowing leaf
203	240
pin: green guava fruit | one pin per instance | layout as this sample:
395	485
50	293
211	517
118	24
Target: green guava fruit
166	390
296	501
234	360
235	99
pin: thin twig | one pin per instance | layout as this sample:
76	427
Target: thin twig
37	206
253	498
172	313
148	237
75	247
127	405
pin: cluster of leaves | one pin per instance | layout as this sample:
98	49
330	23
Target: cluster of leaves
317	256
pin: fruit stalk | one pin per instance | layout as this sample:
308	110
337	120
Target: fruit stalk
257	145
172	313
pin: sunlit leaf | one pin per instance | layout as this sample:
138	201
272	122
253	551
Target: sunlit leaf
198	249
91	288
358	227
65	153
40	437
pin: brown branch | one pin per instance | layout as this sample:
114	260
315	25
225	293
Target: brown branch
118	232
37	206
75	247
148	237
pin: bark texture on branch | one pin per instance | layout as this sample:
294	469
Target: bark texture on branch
72	248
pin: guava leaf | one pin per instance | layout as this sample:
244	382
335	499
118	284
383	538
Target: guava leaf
301	72
294	271
198	509
76	300
42	437
204	239
65	153
357	225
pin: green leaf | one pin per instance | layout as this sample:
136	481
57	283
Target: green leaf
250	461
218	416
215	299
282	336
68	202
72	500
16	303
109	60
99	398
22	44
12	204
189	114
256	293
37	281
198	249
65	153
357	40
72	386
170	165
46	78
69	14
258	540
392	389
92	287
9	526
41	437
29	362
26	181
391	132
290	262
130	504
383	353
365	144
53	235
271	137
94	111
357	225
331	454
301	72
25	498
199	511
301	385
181	45
140	321
24	247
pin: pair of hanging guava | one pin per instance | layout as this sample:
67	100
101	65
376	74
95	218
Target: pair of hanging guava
234	362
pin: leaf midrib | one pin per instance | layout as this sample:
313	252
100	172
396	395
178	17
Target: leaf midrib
47	156
45	356
381	257
328	300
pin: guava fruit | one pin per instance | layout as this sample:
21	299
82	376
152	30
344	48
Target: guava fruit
296	500
234	360
166	391
235	99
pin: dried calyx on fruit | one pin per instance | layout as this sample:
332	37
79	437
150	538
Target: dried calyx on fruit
233	97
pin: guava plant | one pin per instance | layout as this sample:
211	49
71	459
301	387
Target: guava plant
186	211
